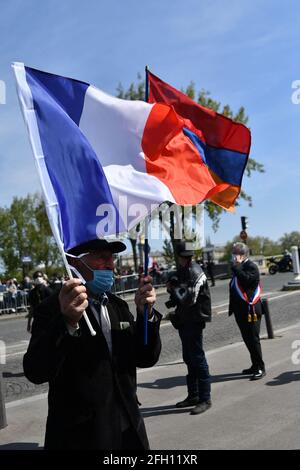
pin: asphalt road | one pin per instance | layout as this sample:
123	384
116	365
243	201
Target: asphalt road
284	308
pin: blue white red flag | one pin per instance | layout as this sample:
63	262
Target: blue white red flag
94	151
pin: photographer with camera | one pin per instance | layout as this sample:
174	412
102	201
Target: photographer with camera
189	294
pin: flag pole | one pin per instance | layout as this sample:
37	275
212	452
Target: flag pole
85	316
60	245
146	245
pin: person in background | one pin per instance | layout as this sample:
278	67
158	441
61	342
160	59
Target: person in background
26	284
39	292
245	304
56	283
12	290
210	269
189	294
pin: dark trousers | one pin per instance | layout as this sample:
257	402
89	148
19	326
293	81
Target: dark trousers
198	379
250	334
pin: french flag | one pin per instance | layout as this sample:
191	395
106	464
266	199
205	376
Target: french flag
92	150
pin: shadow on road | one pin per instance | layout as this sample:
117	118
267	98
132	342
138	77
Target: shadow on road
9	374
165	383
163	410
171	382
285	378
21	446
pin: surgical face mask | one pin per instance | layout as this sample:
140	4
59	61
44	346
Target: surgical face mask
102	281
38	280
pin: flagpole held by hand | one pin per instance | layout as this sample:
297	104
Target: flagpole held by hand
92	331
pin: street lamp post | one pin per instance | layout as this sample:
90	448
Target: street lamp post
295	283
26	261
296	262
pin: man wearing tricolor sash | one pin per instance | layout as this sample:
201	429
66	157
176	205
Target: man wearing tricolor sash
245	304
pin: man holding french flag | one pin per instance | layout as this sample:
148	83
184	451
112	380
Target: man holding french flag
104	165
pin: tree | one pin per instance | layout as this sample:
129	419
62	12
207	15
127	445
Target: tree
168	253
257	246
290	239
25	231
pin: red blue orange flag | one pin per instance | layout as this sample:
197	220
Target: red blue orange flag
222	144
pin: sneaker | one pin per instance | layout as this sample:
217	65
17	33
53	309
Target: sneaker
201	407
249	371
189	401
259	374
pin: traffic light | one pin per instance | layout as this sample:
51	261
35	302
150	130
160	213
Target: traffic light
244	221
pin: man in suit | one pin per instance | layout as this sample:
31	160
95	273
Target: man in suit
92	379
246	306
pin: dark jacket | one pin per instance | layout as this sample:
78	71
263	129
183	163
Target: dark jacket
248	277
199	310
38	294
88	389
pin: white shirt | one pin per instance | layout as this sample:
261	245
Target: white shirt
104	322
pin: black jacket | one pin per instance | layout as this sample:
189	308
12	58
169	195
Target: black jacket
87	387
199	311
39	293
247	274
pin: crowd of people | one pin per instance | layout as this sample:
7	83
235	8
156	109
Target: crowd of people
20	295
12	285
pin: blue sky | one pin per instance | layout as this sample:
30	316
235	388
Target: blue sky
244	52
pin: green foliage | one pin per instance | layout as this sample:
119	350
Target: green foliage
136	91
25	231
257	245
168	253
290	239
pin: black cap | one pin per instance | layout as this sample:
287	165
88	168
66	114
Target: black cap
181	249
98	244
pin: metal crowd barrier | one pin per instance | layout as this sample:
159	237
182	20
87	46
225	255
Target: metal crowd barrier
16	302
130	283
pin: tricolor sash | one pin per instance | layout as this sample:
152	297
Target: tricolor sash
243	295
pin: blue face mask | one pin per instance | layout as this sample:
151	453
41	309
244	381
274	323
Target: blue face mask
102	281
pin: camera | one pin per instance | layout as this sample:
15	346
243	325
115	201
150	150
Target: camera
170	303
180	293
172	283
